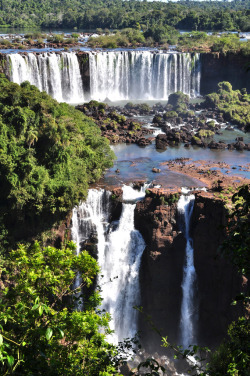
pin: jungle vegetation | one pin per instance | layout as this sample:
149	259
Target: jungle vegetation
119	14
49	153
163	36
41	331
234	104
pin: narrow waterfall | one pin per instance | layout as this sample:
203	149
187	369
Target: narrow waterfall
57	74
121	265
119	256
143	74
89	220
188	314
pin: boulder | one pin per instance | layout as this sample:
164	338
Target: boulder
161	142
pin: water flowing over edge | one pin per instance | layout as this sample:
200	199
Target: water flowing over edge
120	248
188	314
114	75
128	75
57	74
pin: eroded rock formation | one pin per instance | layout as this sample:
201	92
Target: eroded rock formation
156	217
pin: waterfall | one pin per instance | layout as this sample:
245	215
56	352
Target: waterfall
116	75
127	75
187	322
57	74
119	256
89	220
121	265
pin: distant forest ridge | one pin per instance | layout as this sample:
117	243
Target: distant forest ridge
118	14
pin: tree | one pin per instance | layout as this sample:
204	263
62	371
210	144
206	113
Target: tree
49	153
41	333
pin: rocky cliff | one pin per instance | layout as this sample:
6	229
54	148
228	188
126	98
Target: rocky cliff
83	59
218	282
217	67
162	269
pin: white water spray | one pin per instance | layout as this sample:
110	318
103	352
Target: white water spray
121	265
187	323
143	75
88	220
57	74
119	256
116	75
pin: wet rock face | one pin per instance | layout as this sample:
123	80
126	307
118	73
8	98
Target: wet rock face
218	282
161	271
216	68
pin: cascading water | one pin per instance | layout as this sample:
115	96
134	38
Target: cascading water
88	220
119	256
57	74
115	75
143	74
121	265
188	314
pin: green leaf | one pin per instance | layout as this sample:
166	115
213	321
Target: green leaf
37	300
48	333
10	360
40	310
1	339
61	333
34	307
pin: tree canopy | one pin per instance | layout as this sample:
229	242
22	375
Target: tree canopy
39	333
49	153
117	14
234	104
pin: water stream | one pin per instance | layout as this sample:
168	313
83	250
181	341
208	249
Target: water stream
116	75
57	74
143	75
188	312
120	248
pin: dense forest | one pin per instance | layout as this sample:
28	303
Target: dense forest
117	14
49	153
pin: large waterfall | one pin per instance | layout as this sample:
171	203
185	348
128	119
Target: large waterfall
143	74
57	74
119	256
115	75
188	313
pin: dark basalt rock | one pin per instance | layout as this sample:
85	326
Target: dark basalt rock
161	271
239	145
161	142
217	145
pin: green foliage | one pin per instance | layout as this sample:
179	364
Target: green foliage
170	114
124	38
205	133
39	333
56	38
233	356
149	367
49	153
153	16
179	101
234	104
170	199
237	244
